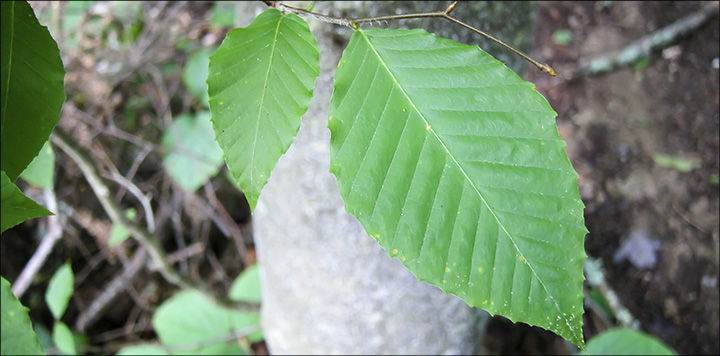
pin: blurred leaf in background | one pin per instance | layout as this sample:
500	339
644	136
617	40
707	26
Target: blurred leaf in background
40	170
119	233
679	163
196	73
623	341
222	14
193	155
64	339
562	37
60	290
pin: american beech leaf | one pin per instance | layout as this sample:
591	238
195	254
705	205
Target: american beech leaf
32	89
260	83
455	166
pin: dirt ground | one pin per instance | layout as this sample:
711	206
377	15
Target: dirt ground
654	228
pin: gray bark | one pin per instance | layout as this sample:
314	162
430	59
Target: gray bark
329	288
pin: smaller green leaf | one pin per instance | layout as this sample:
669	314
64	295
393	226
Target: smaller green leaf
194	156
260	83
40	171
64	339
15	207
223	14
190	317
119	233
623	341
142	350
196	73
17	337
60	290
246	286
679	163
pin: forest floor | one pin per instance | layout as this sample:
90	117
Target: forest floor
653	227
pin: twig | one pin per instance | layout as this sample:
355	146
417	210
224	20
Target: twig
37	260
142	235
643	47
111	291
444	14
596	279
192	250
134	190
227	220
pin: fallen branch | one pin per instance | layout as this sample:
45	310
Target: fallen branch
643	47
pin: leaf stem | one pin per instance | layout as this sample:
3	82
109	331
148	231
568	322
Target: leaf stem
445	14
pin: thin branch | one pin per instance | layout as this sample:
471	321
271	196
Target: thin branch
111	291
643	47
37	260
142	235
444	14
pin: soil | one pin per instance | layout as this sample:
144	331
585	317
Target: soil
664	220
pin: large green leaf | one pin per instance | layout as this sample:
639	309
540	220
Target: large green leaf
18	337
31	86
15	207
260	85
455	166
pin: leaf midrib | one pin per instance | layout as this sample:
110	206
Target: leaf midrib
462	170
273	46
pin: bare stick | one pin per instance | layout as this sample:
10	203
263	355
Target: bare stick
445	14
38	258
642	47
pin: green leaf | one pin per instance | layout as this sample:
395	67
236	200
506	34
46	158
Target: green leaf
455	166
194	156
622	341
142	350
222	15
679	163
246	286
119	233
260	84
60	290
31	86
190	317
196	73
18	337
15	206
40	171
63	338
562	37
